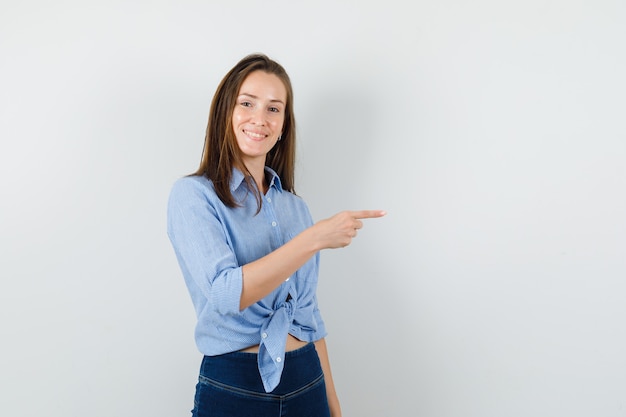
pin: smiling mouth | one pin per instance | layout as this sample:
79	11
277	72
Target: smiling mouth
254	135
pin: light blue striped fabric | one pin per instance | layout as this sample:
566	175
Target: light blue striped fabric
212	242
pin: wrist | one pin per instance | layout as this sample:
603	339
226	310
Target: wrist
310	241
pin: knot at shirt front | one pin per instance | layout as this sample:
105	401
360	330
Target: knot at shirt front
274	332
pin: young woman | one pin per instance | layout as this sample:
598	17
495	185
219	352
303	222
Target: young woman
249	252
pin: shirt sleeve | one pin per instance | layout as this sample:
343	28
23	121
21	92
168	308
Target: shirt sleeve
308	324
207	261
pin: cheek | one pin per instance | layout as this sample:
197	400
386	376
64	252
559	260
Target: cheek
278	122
236	118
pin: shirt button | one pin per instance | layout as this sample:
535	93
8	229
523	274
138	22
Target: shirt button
269	200
287	279
264	335
274	224
278	359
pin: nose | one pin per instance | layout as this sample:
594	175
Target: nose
257	117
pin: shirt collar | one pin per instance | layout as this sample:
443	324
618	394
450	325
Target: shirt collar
275	181
237	179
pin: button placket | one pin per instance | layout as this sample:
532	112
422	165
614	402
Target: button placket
272	219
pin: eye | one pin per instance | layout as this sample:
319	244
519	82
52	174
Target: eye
274	109
246	104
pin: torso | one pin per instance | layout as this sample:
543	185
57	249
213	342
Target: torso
292	344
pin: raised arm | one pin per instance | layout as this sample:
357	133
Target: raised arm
265	274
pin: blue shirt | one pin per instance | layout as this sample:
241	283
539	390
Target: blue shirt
212	242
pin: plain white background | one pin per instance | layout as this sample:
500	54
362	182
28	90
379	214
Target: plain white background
492	132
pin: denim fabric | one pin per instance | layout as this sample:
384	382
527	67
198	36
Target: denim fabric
230	386
212	243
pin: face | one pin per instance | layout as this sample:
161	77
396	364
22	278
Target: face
259	115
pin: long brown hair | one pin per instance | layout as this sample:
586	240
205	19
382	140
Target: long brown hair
221	152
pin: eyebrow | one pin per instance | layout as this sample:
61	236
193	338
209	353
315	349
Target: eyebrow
255	97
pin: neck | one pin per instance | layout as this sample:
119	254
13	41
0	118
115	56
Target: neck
258	173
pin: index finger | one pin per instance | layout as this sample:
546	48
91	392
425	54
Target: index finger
367	214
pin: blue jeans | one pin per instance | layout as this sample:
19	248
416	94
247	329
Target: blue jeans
230	386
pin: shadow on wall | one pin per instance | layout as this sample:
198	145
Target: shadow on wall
362	293
375	330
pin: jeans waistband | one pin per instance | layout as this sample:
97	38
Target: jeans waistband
240	369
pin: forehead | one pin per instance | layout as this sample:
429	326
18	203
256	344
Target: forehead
264	85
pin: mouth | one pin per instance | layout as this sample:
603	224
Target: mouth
254	135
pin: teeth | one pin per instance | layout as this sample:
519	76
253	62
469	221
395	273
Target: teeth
254	135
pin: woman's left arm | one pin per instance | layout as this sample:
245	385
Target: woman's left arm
333	400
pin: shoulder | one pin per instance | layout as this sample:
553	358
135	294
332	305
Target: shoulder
192	182
192	187
296	199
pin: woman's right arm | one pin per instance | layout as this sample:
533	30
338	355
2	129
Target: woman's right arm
262	276
210	266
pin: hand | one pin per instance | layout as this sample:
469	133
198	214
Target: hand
339	230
